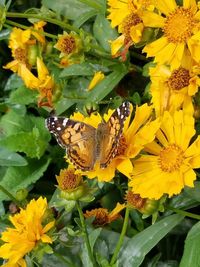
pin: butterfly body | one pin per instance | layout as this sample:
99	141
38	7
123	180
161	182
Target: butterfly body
85	145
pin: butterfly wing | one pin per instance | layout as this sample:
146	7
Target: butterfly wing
111	133
77	138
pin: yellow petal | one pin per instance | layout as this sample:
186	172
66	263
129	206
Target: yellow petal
117	44
99	76
29	79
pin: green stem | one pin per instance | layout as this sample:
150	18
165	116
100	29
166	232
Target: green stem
121	238
5	191
86	234
185	213
36	16
10	22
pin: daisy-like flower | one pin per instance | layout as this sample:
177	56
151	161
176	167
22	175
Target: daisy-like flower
21	42
127	16
181	32
136	134
27	232
102	216
98	77
168	167
44	83
172	90
18	43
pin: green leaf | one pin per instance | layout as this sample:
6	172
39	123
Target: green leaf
4	34
13	82
103	32
71	9
30	143
191	255
23	96
193	192
133	252
63	105
83	69
17	178
102	89
9	158
84	17
84	253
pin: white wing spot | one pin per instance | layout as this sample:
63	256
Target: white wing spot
58	128
118	111
65	122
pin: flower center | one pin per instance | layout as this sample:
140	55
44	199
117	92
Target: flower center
20	55
128	22
69	180
122	146
179	25
100	215
179	79
67	44
171	158
135	200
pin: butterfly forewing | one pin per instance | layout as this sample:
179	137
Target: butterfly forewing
112	133
77	137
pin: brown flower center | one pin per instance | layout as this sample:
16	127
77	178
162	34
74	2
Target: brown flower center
20	55
67	44
179	79
179	25
101	216
129	21
122	146
68	179
171	158
135	200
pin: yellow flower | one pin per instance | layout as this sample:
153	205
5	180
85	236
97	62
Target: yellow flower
27	232
18	43
44	83
172	90
98	76
127	16
181	33
172	157
37	31
135	135
102	215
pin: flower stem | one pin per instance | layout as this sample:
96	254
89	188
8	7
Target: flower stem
36	16
10	22
185	213
121	238
86	234
5	191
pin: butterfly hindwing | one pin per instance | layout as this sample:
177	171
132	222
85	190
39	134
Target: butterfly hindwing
113	132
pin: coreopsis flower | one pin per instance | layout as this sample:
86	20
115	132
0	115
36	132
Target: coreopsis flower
27	232
70	46
44	83
98	77
22	43
172	90
172	156
127	16
180	32
135	136
18	43
102	216
71	184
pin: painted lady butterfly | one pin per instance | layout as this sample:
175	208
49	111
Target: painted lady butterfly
86	145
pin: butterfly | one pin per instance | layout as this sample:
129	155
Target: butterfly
86	145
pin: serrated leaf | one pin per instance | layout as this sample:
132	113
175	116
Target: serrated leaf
103	32
71	9
30	143
191	256
17	178
9	158
133	252
102	89
23	96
